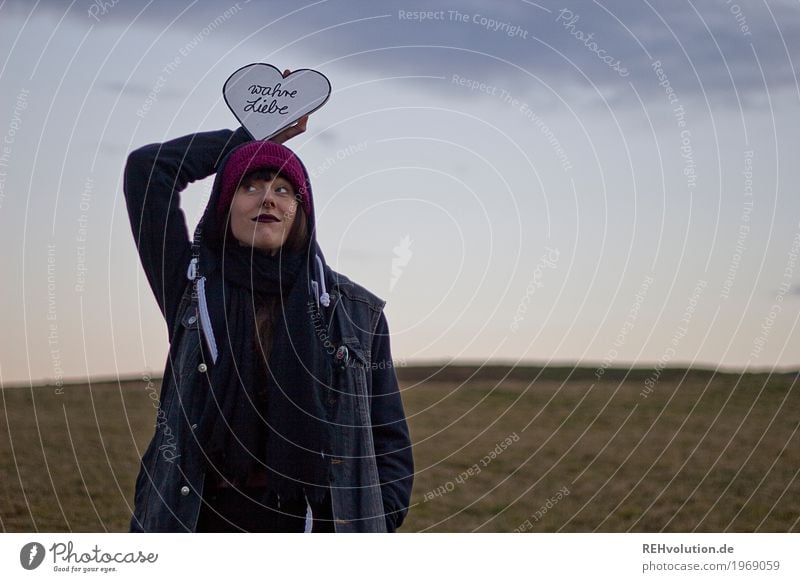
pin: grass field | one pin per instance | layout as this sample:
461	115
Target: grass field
496	449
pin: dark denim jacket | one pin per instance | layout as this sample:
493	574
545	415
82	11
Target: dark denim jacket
371	474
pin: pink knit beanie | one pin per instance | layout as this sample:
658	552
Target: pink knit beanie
257	155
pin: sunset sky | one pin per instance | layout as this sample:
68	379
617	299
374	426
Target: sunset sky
590	183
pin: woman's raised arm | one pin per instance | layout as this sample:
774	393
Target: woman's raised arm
155	175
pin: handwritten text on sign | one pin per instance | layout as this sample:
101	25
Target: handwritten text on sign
259	104
265	102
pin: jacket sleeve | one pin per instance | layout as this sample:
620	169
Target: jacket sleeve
390	433
154	177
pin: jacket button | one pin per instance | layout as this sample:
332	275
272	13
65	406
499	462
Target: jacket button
194	427
202	368
185	490
191	320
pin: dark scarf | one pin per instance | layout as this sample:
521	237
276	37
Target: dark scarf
274	418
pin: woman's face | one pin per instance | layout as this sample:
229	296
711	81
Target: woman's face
263	210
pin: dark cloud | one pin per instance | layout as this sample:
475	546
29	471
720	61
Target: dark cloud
135	89
713	48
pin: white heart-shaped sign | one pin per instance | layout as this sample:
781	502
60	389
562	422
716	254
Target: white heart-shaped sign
265	102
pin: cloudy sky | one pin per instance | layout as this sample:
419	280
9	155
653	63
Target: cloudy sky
601	183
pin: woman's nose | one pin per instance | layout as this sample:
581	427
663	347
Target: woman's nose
268	199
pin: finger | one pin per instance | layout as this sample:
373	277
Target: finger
300	127
285	135
293	131
301	124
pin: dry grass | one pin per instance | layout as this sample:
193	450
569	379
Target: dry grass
703	452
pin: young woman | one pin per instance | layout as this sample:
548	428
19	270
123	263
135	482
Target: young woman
279	409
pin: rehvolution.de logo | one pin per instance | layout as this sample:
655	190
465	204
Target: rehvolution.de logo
31	555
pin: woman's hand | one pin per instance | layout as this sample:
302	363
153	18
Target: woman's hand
292	130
